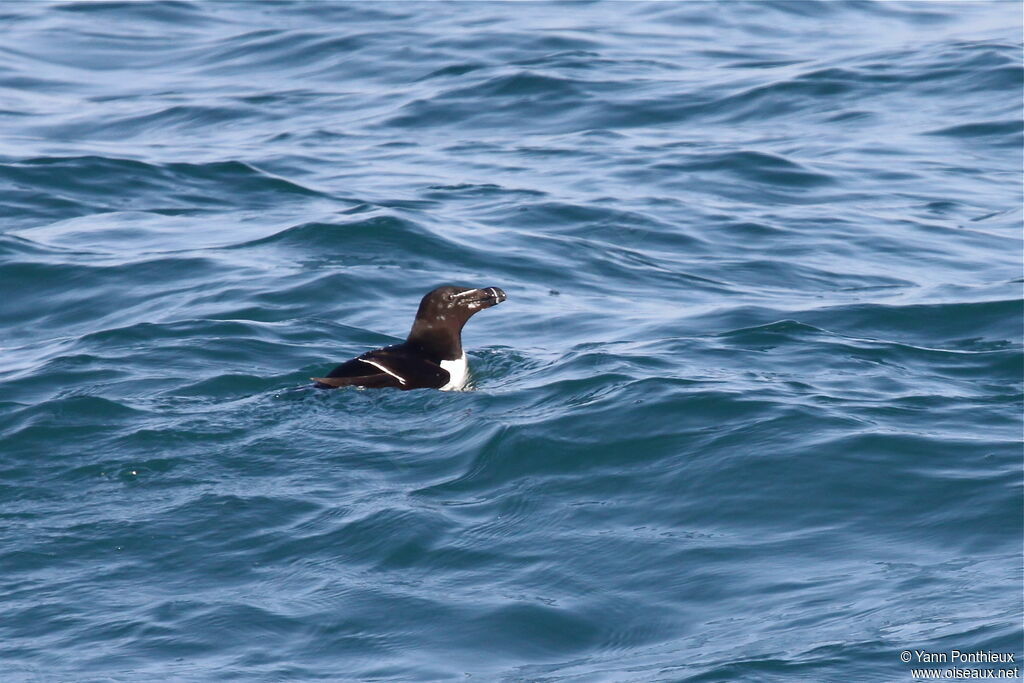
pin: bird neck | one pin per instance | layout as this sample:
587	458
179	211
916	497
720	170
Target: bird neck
439	342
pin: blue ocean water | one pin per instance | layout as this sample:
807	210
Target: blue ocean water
752	410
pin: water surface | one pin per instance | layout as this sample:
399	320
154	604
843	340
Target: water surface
751	412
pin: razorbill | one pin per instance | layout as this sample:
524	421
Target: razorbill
431	357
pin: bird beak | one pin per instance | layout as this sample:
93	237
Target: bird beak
485	297
497	294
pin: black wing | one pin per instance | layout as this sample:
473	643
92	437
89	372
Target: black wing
388	367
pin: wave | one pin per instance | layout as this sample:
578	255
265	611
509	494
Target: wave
67	187
1009	133
757	382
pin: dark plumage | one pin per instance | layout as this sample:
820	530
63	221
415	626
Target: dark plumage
431	357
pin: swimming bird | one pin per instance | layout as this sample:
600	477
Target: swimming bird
431	357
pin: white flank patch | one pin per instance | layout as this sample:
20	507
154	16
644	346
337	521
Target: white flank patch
458	370
378	365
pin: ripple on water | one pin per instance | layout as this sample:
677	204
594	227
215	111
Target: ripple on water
751	411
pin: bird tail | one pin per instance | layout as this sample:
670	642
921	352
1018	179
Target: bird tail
333	382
